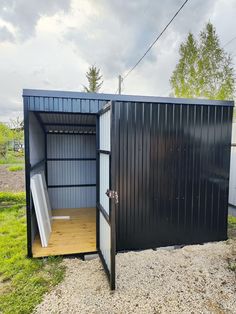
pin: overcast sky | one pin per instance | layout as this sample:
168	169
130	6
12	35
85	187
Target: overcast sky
50	44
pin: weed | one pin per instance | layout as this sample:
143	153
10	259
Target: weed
232	266
231	227
15	168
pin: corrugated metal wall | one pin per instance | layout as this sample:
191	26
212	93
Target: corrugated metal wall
173	172
64	104
74	197
71	161
232	182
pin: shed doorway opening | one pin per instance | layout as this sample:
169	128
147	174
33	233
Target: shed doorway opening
63	147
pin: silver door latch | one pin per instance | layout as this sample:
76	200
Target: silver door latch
113	195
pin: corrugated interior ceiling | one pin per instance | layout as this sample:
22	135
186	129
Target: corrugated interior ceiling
68	123
67	118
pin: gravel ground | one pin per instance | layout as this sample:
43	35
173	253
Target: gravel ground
11	181
194	279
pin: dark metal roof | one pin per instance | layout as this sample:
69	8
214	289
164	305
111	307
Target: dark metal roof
103	98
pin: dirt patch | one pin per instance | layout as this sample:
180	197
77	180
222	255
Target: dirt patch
194	279
11	181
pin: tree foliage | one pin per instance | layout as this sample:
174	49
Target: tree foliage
17	124
17	128
10	135
94	80
204	68
6	135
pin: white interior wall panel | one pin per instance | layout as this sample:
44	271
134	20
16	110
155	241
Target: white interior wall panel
71	146
104	185
73	197
105	240
105	125
37	153
41	209
36	140
45	194
72	172
104	181
232	180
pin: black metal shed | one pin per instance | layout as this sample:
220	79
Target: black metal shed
156	169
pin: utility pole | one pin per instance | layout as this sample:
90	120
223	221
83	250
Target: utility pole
119	82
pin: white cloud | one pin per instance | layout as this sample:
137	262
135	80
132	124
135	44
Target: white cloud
6	34
24	15
50	44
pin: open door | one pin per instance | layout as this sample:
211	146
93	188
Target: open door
106	197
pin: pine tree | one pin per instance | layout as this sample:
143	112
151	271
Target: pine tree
204	69
94	79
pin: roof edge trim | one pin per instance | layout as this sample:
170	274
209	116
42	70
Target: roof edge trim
127	98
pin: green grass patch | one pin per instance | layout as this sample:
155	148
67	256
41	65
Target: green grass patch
232	227
15	168
12	198
12	158
23	281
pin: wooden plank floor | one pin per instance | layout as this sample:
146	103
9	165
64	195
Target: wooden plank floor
70	236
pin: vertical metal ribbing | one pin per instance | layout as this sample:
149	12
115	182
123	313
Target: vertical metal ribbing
206	166
220	163
174	162
27	178
201	181
213	161
132	166
179	160
186	147
97	180
122	171
144	168
156	138
45	154
114	136
167	168
227	156
171	152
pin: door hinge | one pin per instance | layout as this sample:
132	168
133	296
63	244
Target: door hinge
113	195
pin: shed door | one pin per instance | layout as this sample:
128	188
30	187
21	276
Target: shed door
106	198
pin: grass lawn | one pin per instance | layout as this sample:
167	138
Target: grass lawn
12	158
23	281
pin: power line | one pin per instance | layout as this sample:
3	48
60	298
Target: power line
229	42
157	38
